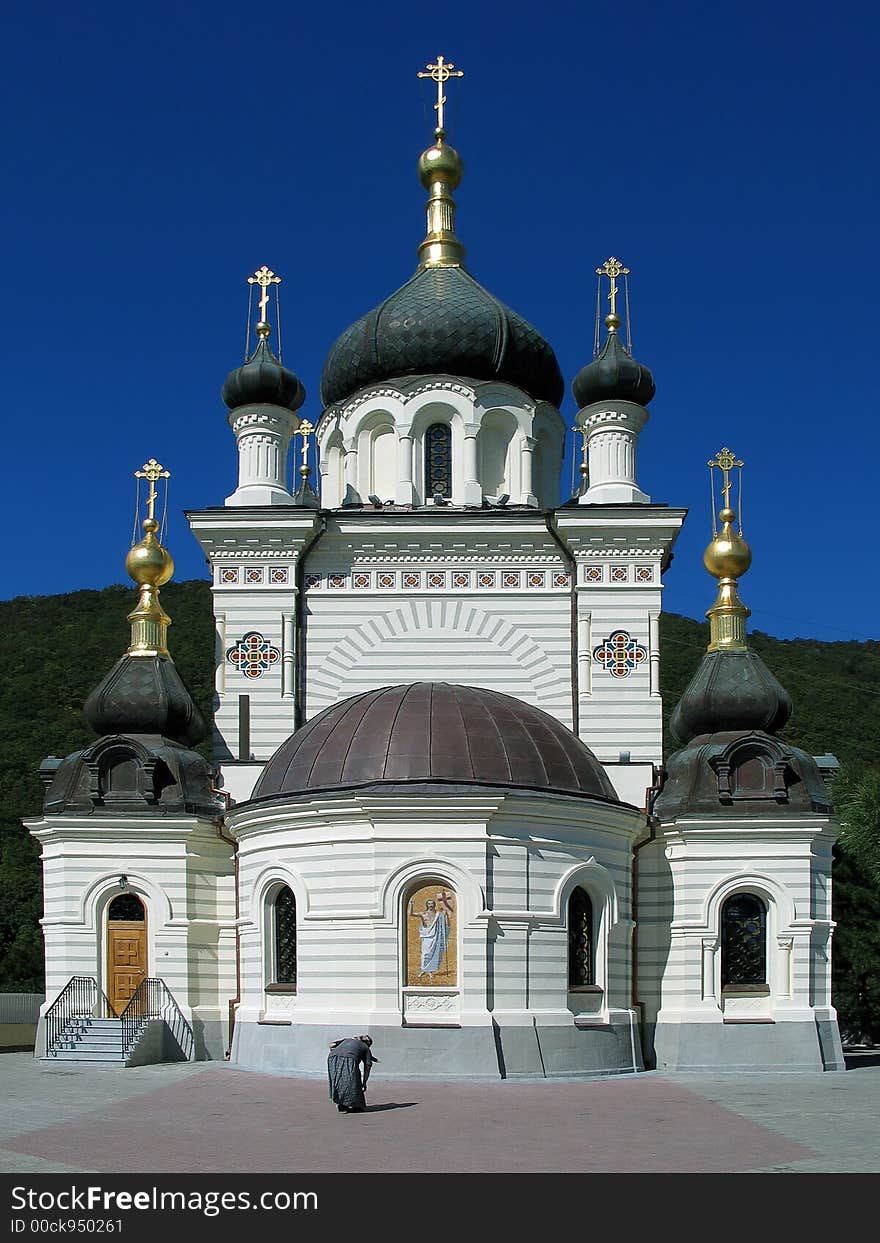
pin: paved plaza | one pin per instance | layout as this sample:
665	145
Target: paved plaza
212	1118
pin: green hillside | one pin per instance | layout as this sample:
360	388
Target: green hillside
55	649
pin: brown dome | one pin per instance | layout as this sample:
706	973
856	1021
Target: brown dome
434	732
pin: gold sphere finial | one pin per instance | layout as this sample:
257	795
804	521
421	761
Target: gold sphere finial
728	555
263	330
440	163
612	322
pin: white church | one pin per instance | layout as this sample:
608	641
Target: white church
439	810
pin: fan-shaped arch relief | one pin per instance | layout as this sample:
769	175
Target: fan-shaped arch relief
440	641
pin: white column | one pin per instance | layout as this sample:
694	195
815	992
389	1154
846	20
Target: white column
654	652
710	945
405	493
350	481
288	656
527	448
585	672
220	655
473	491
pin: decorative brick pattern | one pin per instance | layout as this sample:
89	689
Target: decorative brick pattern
253	574
361	581
510	578
412	581
313	582
593	574
461	579
228	575
644	574
278	574
386	580
561	578
486	579
336	580
436	580
619	574
536	578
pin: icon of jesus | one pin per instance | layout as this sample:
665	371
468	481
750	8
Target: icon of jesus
434	935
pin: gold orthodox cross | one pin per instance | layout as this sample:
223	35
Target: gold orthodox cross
612	268
152	471
725	461
305	430
441	72
264	277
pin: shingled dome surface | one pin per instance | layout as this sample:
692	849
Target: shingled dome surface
434	732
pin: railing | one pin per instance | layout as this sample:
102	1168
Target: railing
79	999
152	999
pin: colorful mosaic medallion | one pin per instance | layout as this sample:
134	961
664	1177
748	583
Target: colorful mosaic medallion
620	654
253	655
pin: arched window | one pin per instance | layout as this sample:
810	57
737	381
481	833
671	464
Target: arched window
284	931
743	940
438	461
127	906
581	968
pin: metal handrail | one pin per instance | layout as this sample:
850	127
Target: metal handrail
152	999
79	999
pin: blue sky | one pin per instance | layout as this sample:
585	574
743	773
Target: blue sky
156	155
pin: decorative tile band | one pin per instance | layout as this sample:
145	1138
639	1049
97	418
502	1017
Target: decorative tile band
441	580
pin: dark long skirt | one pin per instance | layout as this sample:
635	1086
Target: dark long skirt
346	1088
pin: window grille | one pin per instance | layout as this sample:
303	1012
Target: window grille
126	906
743	940
438	461
285	937
580	939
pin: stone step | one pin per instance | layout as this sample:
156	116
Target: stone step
84	1055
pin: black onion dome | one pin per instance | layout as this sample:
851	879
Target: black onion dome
442	322
434	732
263	380
145	695
131	775
614	373
731	691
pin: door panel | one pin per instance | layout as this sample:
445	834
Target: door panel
126	960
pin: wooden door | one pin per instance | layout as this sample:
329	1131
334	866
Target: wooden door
126	956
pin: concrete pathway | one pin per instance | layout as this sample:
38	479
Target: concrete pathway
213	1118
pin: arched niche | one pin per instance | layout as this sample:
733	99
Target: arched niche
333	472
546	468
377	458
498	467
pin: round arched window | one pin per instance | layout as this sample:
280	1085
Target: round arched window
743	940
580	939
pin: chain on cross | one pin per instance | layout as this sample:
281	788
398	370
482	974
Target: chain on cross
726	461
264	277
612	268
152	471
441	72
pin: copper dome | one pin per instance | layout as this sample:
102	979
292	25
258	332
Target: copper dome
434	732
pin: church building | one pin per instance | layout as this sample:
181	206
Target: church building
438	810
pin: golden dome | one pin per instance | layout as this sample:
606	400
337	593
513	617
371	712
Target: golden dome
440	163
728	556
148	562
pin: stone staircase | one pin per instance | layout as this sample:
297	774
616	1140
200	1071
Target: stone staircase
98	1041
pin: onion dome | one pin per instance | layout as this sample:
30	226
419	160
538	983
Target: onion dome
732	689
143	693
263	380
613	374
442	321
433	732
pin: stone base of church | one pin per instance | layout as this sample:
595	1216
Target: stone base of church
492	1050
798	1047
